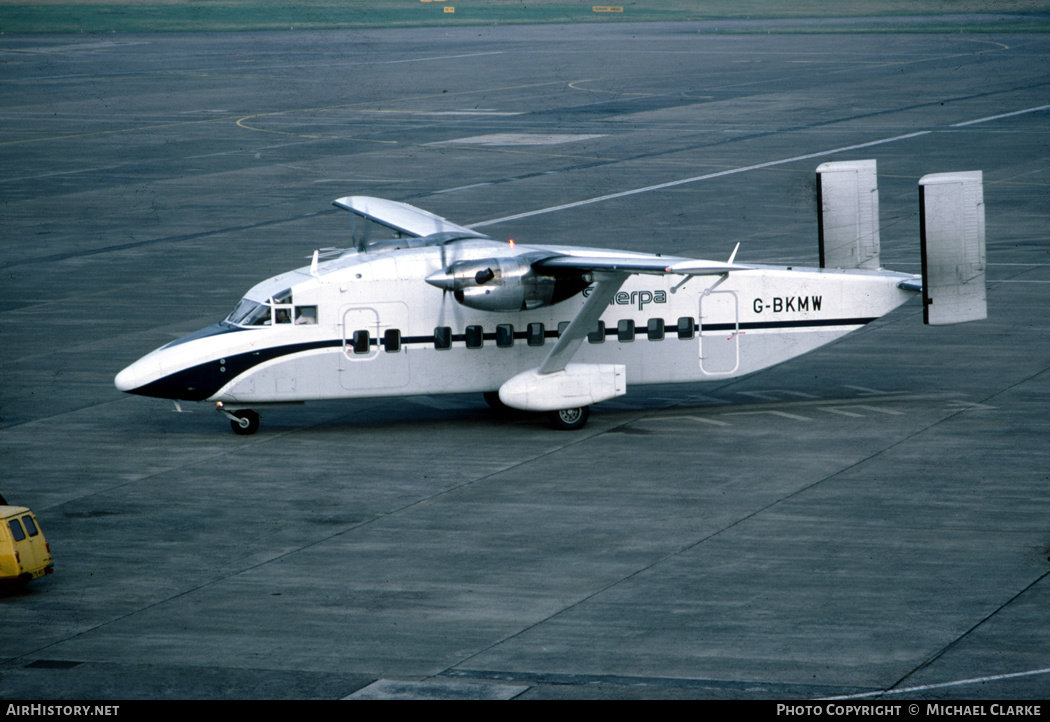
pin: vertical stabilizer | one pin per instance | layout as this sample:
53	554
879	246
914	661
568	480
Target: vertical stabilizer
849	214
951	213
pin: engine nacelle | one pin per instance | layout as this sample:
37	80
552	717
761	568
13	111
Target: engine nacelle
505	284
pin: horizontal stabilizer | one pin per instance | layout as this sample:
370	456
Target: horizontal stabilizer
849	214
951	213
401	217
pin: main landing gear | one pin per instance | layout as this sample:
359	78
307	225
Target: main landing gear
562	419
569	419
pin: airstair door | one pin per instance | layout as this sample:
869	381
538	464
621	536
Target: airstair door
719	333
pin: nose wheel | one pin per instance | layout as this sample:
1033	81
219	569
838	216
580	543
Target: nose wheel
244	422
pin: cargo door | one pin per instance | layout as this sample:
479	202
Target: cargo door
24	547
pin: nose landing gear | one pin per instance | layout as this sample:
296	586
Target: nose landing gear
244	422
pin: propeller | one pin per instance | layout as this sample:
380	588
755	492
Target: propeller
360	230
443	250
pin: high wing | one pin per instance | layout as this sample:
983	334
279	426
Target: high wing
635	263
608	268
402	217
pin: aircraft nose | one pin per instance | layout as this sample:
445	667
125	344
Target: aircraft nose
136	375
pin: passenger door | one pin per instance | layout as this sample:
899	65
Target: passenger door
719	333
374	355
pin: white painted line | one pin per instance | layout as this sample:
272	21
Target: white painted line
462	188
486	113
436	689
891	412
801	394
970	405
701	419
695	179
997	117
976	680
841	412
743	169
782	414
759	395
440	57
866	390
703	399
501	139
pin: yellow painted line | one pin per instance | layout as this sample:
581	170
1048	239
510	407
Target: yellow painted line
607	9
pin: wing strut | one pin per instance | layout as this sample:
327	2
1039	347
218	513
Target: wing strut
605	287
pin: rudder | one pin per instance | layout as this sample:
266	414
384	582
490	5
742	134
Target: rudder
848	214
951	217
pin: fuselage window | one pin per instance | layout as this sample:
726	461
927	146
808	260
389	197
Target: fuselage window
361	342
686	328
655	329
504	335
474	337
443	337
561	328
392	340
535	336
598	334
306	315
625	330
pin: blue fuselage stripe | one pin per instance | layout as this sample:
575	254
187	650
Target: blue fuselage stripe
204	380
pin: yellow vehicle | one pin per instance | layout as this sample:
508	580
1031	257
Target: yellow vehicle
24	552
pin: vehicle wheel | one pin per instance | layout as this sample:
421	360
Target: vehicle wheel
495	403
569	419
248	425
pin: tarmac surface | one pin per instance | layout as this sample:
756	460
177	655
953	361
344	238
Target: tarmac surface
870	519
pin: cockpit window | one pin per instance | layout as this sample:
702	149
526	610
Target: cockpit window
277	310
250	313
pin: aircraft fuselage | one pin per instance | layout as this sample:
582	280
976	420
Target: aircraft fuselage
367	324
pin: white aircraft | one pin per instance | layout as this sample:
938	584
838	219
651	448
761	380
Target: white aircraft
445	309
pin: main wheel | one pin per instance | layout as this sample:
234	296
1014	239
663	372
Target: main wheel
569	419
248	422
